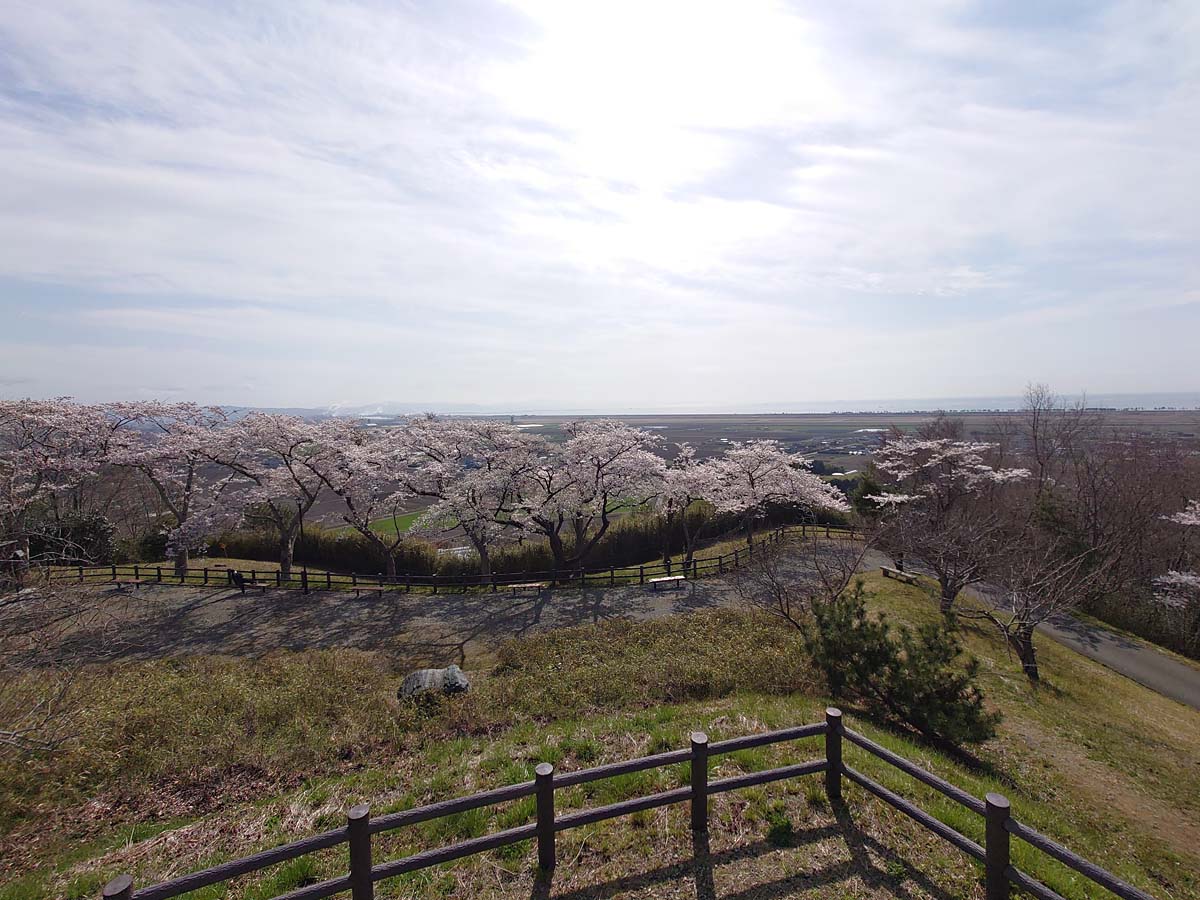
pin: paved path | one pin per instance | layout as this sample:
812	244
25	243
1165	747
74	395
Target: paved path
1131	657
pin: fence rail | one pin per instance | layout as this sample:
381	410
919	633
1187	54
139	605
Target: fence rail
306	581
363	872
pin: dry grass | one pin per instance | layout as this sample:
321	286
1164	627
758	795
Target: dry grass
184	763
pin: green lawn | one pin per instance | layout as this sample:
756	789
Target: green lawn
389	525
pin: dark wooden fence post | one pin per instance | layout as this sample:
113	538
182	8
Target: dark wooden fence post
304	579
358	830
81	574
278	577
159	573
114	573
120	888
833	754
641	574
699	781
434	577
612	576
721	564
136	572
544	779
328	580
996	812
205	575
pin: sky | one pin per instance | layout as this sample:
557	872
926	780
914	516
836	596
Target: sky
545	204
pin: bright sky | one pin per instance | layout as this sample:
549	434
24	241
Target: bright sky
554	204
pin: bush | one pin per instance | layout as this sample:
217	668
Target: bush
85	539
630	541
914	678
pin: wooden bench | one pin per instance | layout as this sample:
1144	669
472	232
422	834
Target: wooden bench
906	577
376	589
531	586
123	583
667	579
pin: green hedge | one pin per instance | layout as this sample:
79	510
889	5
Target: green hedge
630	541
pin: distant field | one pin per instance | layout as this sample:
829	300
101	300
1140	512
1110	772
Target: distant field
841	438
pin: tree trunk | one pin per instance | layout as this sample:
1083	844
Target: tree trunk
390	562
287	548
1022	642
21	563
749	532
485	559
949	595
181	561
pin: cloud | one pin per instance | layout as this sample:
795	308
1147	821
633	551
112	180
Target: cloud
589	204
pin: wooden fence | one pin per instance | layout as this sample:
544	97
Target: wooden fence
306	581
360	826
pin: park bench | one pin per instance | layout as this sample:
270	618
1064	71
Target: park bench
123	583
906	577
376	589
530	586
667	580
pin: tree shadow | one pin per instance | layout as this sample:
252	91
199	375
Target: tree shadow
700	869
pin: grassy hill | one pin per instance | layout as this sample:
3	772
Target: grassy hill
182	763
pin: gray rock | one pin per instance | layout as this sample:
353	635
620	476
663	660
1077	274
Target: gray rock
450	680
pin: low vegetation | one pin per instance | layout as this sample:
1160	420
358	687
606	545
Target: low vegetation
182	763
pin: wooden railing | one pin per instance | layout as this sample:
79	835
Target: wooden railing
360	827
303	580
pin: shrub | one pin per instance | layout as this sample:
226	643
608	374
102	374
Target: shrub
915	678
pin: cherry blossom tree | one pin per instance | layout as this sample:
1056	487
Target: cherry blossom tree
172	446
273	455
365	468
941	511
471	470
47	447
569	493
756	475
1178	591
686	482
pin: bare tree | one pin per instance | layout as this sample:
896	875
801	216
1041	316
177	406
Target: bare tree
792	577
1036	581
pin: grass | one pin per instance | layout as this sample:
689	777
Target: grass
183	763
388	525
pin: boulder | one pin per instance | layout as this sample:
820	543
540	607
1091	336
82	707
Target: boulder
450	680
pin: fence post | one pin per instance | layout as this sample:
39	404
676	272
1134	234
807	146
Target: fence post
304	579
137	575
493	582
408	582
114	573
641	574
737	557
205	575
434	577
996	849
833	754
278	577
120	888
159	568
81	574
328	581
699	781
544	780
358	830
721	564
612	576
